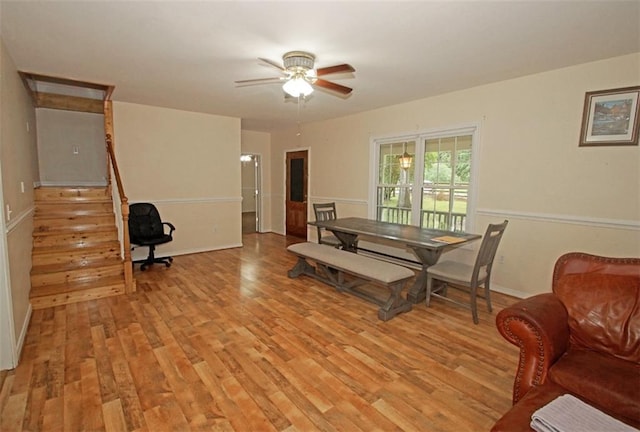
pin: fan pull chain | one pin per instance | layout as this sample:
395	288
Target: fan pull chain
299	133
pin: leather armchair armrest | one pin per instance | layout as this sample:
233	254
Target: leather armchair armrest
539	327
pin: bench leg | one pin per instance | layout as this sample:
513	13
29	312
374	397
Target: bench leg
395	303
301	267
332	276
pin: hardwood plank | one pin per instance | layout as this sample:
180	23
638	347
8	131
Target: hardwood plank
226	341
91	402
72	406
113	415
13	412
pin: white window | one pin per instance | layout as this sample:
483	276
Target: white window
426	179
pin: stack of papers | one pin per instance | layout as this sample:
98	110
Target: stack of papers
448	239
569	414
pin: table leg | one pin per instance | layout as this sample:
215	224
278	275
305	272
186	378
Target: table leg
349	241
428	257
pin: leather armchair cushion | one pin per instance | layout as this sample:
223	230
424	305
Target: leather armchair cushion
600	380
518	418
604	312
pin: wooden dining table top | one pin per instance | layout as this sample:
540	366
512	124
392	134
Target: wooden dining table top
408	234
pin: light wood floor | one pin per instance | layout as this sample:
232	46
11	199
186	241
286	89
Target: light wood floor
225	341
248	222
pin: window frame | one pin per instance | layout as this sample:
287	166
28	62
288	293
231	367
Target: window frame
420	138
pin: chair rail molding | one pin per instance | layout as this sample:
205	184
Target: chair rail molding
189	200
11	225
623	224
352	201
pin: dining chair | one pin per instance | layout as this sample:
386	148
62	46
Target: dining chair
466	276
324	212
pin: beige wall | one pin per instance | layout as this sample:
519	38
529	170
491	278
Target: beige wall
188	165
19	167
71	150
558	197
259	143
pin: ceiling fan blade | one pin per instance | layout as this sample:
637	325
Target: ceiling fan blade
272	63
333	86
335	69
261	81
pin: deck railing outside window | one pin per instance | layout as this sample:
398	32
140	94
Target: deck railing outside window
429	219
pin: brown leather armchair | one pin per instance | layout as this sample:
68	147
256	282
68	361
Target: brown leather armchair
582	339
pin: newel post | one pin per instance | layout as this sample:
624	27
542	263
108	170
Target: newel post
128	265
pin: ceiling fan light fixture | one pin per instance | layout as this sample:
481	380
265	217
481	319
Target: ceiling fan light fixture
297	86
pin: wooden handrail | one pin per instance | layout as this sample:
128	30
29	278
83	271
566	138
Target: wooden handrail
124	201
114	165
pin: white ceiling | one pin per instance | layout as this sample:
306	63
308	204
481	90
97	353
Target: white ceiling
187	55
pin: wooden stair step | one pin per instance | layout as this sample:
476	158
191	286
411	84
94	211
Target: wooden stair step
73	292
64	209
76	256
61	273
57	268
71	193
79	223
74	239
71	232
76	247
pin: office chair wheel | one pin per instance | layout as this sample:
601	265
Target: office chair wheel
167	264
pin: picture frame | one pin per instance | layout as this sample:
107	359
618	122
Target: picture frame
611	117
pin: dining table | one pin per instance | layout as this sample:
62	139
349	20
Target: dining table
427	244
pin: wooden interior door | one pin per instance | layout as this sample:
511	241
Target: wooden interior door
296	199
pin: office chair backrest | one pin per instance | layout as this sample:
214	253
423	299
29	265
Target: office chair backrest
144	222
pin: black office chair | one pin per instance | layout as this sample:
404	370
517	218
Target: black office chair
147	229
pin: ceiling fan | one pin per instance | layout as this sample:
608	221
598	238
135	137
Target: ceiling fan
299	77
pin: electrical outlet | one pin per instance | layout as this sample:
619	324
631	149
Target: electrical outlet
501	259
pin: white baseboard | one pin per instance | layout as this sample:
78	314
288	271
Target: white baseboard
23	333
200	250
74	183
510	292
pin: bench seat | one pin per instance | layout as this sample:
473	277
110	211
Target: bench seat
335	263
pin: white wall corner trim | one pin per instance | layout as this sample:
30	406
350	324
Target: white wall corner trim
566	219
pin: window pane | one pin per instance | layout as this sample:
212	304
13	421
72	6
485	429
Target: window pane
395	179
463	167
297	180
459	210
447	174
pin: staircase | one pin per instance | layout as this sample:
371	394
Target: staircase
76	251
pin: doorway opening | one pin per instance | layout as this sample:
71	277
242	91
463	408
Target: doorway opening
251	185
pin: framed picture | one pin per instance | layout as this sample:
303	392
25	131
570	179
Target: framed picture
610	117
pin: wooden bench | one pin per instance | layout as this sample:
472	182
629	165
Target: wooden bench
335	263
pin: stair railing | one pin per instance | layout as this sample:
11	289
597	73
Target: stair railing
121	197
